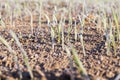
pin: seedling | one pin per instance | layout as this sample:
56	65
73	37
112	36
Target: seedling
48	21
23	53
112	38
40	10
69	19
31	19
78	63
53	30
2	23
53	36
13	53
59	31
75	31
117	25
106	32
81	34
63	33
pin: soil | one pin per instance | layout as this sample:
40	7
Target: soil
49	64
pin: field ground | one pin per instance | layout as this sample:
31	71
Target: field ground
54	64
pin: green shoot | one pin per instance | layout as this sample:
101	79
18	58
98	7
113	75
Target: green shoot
40	13
81	34
75	31
53	30
78	63
112	38
2	23
106	32
48	21
31	19
69	56
13	53
70	19
117	25
59	31
63	33
23	52
53	36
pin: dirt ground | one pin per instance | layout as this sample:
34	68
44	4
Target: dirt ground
49	64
